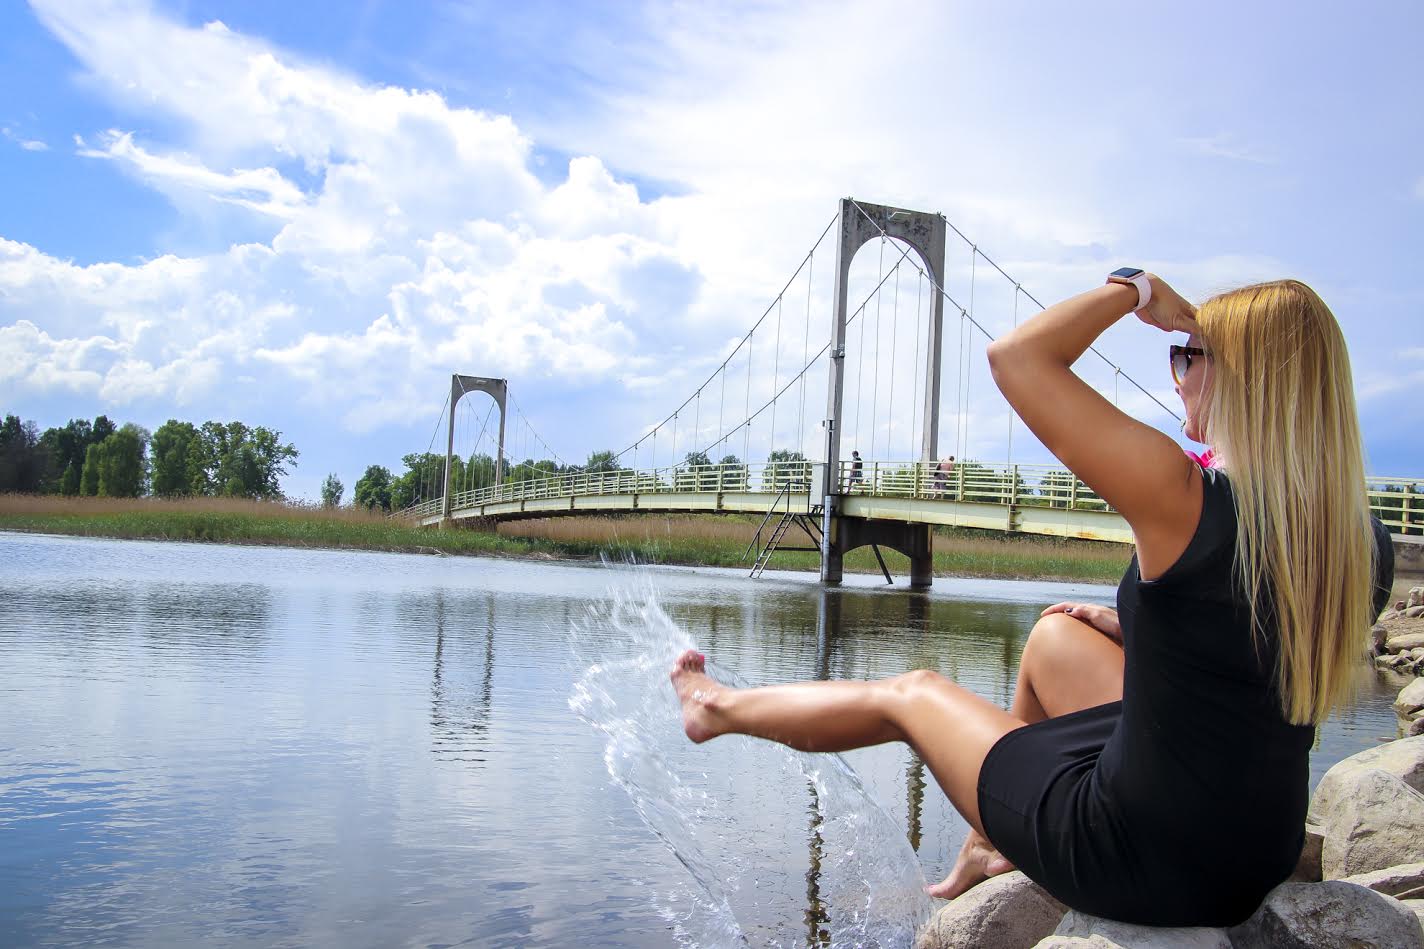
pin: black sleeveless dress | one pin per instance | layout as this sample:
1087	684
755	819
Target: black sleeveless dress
1184	803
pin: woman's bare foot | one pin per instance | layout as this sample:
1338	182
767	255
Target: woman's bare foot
696	691
978	860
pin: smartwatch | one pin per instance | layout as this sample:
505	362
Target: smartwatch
1137	277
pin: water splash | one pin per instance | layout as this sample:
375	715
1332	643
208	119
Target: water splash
723	808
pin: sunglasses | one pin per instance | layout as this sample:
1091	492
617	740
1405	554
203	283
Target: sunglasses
1182	360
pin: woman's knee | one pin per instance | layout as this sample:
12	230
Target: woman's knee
1057	636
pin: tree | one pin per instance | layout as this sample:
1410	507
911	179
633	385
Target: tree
89	477
22	462
331	491
601	461
373	489
172	443
479	472
123	463
734	473
423	480
232	460
784	466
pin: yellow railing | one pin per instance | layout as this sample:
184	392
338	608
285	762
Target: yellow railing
1398	502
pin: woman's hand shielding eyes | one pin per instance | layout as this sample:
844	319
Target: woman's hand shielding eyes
1168	310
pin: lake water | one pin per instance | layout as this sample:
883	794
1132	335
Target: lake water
241	746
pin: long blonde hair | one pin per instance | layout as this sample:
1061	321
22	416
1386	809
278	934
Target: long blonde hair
1280	411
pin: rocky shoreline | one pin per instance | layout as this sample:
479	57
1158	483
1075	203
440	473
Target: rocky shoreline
1359	883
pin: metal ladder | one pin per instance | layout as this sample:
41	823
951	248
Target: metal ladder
806	522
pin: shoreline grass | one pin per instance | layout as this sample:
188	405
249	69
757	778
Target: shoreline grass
656	539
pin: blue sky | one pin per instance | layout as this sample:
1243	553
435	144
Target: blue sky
308	215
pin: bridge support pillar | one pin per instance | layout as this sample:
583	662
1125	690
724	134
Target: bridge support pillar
915	541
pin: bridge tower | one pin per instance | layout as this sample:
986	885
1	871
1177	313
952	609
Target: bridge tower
459	386
925	234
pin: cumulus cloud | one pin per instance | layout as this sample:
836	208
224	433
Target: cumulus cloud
412	238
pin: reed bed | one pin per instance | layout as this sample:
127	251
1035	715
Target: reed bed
721	541
666	539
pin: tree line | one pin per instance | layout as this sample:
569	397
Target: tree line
424	475
179	459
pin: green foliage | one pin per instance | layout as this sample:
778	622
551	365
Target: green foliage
602	461
331	491
786	466
89	478
171	448
232	460
22	461
734	473
123	469
65	450
696	458
423	480
373	489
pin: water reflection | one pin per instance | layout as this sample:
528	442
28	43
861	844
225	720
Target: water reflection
461	697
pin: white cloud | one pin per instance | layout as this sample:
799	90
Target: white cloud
260	189
28	144
413	239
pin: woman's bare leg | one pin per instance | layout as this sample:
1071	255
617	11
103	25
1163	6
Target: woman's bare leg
950	728
1066	666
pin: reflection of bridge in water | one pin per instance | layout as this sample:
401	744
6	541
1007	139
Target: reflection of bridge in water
896	495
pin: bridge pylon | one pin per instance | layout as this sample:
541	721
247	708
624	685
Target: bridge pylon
925	233
498	389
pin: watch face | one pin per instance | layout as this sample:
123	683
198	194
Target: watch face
1126	273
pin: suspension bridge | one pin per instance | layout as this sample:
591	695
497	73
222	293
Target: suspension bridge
809	490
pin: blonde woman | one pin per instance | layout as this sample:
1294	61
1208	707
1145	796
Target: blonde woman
1153	767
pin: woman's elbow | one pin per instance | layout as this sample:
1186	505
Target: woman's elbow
1000	355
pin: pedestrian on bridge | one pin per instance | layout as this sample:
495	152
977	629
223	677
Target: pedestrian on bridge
1154	765
857	471
942	472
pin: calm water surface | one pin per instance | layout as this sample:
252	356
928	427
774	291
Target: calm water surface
266	747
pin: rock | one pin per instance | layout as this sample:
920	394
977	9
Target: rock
1416	597
1417	906
1378	824
1311	915
1378	637
1403	882
1416	728
1390	661
1307	868
1404	759
1007	911
1404	641
1414	611
1398	606
1388	615
1091	929
1410	700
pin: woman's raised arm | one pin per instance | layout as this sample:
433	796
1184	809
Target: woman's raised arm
1138	470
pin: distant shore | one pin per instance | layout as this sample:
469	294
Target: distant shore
656	539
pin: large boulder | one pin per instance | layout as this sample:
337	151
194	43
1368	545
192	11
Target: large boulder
1107	933
1008	911
1403	882
1326	916
1370	810
1410	701
1417	907
1379	824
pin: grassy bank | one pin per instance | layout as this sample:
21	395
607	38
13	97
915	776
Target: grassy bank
705	541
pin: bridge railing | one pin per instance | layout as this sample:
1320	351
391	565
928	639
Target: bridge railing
1398	502
1027	485
757	478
